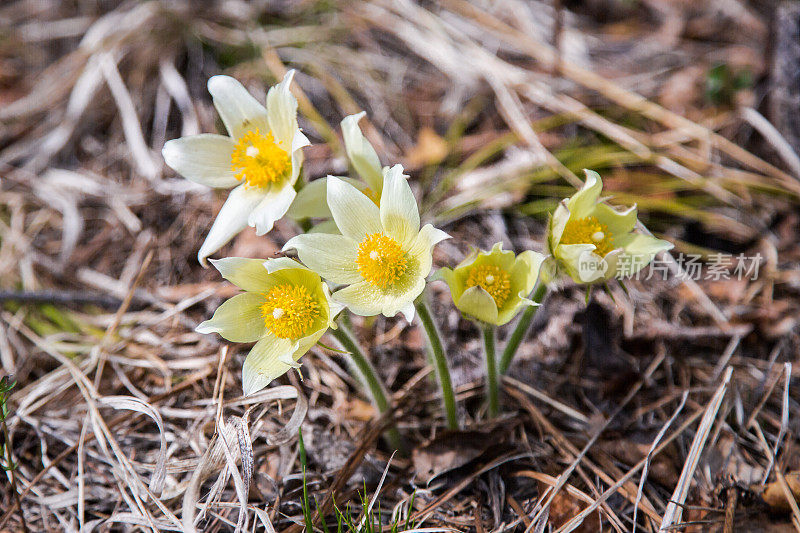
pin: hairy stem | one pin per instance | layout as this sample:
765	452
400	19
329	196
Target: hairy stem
492	395
367	375
521	329
439	362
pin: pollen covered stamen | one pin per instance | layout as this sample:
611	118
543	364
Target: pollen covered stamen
493	279
380	260
289	310
588	230
258	160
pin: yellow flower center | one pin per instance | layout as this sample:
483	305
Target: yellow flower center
588	230
380	260
493	279
289	310
259	160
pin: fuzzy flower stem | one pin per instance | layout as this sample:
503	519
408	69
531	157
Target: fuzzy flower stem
492	394
521	328
366	374
439	362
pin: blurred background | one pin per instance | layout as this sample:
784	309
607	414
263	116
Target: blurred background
691	110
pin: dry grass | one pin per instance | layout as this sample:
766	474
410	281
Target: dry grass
665	407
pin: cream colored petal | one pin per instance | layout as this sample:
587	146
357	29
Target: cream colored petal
360	298
639	250
570	256
355	215
583	201
399	211
555	226
231	219
525	271
282	112
331	256
247	274
311	201
422	246
478	303
280	263
618	222
240	112
203	159
272	207
238	319
361	153
265	362
505	315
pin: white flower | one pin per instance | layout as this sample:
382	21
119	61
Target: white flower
261	157
285	309
381	255
590	241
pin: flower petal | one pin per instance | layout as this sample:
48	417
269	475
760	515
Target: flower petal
280	263
617	222
231	219
525	271
203	159
247	274
422	246
265	362
238	319
356	215
282	112
478	303
331	256
360	298
556	224
239	110
271	208
639	250
361	153
399	210
583	201
311	201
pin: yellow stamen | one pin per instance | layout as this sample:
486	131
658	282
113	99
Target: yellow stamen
380	260
588	230
493	279
259	160
288	311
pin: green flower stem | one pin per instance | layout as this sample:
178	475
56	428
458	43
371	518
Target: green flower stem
522	328
491	369
439	362
367	375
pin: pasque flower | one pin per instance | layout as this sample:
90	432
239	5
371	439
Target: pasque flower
260	158
381	255
591	241
285	309
311	201
493	286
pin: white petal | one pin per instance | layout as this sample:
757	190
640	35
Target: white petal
331	256
280	263
203	159
231	219
264	363
422	246
408	312
583	201
282	112
478	303
271	208
355	215
247	274
399	210
361	153
360	298
238	319
239	110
